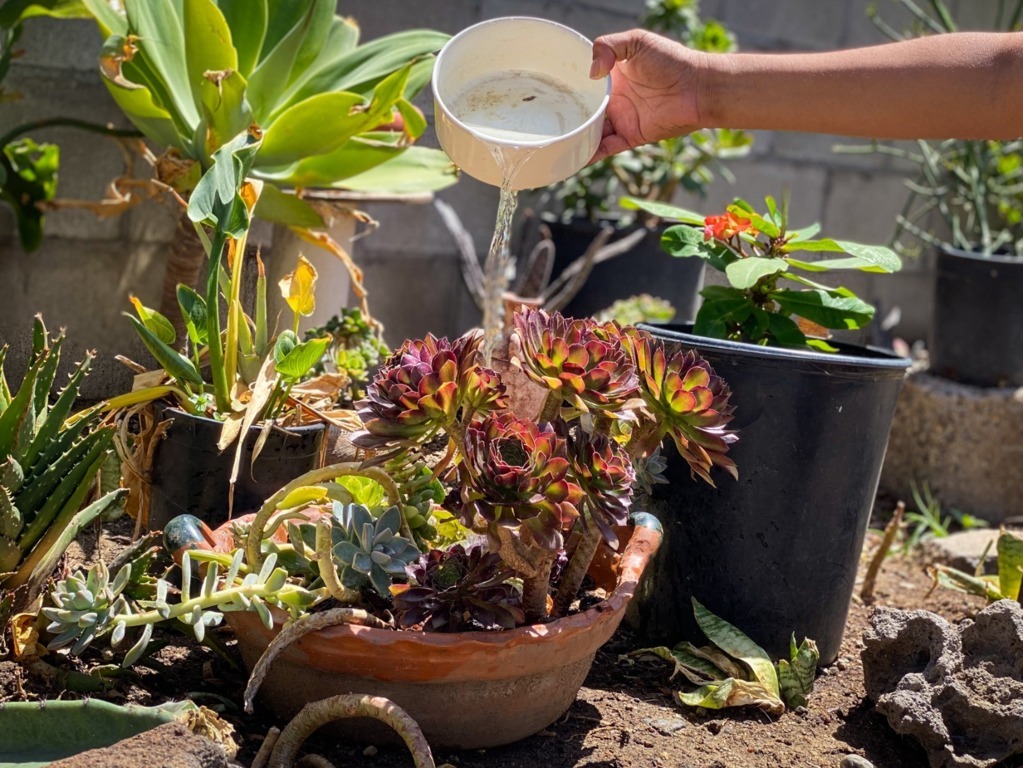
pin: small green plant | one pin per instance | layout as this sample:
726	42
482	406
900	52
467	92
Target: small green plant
658	170
643	308
736	672
1005	585
49	458
355	351
771	298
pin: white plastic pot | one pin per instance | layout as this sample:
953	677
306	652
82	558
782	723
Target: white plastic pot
517	91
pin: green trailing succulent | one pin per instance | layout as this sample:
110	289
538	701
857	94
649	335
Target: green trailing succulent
50	456
736	672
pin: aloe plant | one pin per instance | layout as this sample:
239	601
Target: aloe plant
49	458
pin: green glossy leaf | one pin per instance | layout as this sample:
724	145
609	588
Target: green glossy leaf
155	322
28	177
417	169
745	273
179	367
193	310
294	361
824	308
684	241
247	20
722	308
737	645
663	210
884	259
315	126
785	331
216	199
139	106
284	208
415	123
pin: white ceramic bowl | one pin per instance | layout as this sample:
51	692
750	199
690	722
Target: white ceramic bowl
518	88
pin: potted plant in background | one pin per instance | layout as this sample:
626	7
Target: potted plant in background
776	551
586	203
453	559
966	202
246	100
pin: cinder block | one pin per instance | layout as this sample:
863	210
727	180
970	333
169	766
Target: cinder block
786	23
377	18
862	207
61	44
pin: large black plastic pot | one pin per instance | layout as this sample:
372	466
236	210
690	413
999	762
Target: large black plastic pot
189	474
977	322
775	552
646	268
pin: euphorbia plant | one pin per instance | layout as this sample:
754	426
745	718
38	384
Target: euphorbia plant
771	298
529	496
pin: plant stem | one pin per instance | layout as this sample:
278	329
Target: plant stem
328	572
574	574
68	122
213	340
551	406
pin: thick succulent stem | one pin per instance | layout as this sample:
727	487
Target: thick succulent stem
534	592
574	574
253	556
310	622
534	566
551	406
328	571
319	713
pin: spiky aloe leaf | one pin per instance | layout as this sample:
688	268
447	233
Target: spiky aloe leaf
38	490
56	415
19	409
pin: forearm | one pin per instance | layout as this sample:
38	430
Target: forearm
966	85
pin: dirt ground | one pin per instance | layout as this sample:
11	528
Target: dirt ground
624	716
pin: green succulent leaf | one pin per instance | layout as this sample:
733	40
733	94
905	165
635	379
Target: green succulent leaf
315	126
247	20
284	208
159	28
1010	564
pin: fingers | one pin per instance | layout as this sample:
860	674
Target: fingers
611	144
609	49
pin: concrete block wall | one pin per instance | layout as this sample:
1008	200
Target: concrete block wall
410	263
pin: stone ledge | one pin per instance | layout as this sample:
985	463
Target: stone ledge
966	442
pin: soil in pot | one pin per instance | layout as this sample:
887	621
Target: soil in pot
190	476
977	323
775	552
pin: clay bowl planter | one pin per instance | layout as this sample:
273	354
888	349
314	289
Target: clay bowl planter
467	690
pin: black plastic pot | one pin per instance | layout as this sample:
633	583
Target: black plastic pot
644	269
776	552
190	475
977	322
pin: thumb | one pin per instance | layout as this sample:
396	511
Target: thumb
609	49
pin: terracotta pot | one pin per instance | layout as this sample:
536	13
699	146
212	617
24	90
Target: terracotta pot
467	690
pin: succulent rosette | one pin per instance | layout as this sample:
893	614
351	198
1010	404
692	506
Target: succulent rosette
458	589
515	472
585	362
422	388
685	399
604	473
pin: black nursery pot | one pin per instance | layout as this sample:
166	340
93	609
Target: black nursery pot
646	268
977	322
776	552
190	475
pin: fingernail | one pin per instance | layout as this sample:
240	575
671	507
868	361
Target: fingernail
595	70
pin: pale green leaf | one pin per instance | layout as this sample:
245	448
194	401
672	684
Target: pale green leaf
737	645
208	45
1010	564
745	273
663	210
417	169
247	20
300	358
315	126
285	208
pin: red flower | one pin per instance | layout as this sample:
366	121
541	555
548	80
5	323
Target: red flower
725	226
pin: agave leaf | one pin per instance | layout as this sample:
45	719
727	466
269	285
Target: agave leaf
417	169
208	46
285	208
247	20
1010	564
737	645
315	126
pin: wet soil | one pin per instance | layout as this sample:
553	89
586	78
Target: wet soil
625	716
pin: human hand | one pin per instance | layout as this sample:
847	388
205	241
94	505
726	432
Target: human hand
653	89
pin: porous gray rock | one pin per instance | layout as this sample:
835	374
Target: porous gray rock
855	761
957	691
964	549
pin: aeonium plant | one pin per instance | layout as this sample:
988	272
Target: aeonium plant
465	516
773	297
